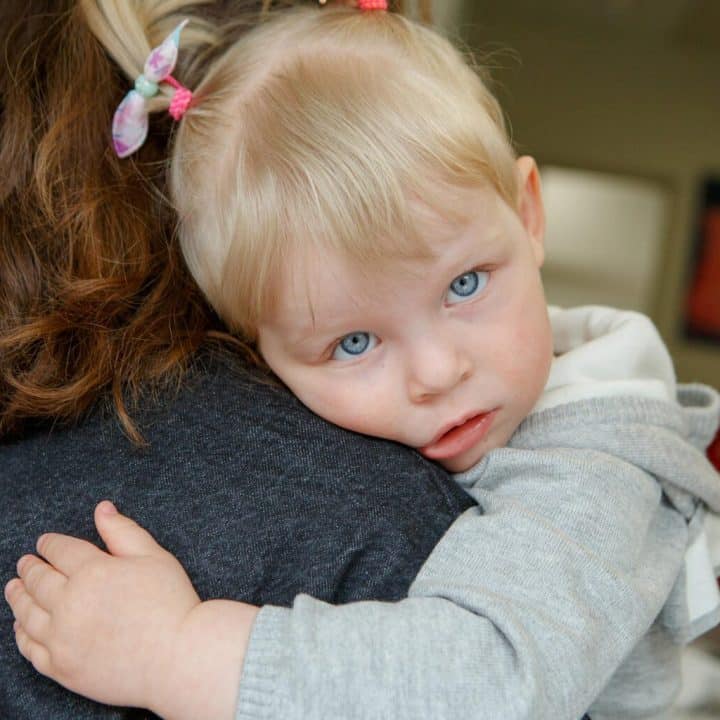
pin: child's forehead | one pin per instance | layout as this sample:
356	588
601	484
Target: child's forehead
451	207
334	293
376	261
319	282
323	280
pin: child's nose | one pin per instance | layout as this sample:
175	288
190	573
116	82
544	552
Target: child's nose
436	369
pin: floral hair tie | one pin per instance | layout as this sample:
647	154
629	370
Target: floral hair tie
131	119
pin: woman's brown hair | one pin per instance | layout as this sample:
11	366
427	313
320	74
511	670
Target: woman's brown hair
95	299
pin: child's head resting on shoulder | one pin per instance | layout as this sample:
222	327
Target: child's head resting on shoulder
319	127
329	151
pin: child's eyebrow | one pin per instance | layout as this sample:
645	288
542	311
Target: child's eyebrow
311	332
310	336
485	246
313	345
317	328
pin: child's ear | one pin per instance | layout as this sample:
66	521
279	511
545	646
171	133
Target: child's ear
530	205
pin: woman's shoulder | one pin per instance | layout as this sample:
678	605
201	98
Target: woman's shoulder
223	420
258	498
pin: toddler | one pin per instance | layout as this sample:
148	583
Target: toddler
350	204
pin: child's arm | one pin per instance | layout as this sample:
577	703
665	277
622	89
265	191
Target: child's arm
527	605
524	609
128	628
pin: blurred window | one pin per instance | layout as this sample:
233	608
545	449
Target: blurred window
604	238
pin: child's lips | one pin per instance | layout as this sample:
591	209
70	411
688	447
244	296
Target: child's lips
459	438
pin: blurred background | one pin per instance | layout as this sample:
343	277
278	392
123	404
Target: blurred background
619	102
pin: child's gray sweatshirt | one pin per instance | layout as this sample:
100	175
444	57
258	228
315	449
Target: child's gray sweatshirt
573	562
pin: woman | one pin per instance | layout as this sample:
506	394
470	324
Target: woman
117	381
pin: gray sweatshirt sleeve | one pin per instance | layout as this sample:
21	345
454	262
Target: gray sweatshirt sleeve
524	609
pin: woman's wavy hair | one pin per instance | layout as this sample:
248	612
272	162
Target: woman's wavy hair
295	133
95	300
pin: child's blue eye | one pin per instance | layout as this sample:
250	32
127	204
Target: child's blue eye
466	286
354	345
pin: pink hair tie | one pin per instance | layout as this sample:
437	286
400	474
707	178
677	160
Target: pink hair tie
181	99
367	4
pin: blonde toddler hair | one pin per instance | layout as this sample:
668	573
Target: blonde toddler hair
316	128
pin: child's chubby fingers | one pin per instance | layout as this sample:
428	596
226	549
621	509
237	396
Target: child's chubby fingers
34	621
33	651
67	554
122	536
42	581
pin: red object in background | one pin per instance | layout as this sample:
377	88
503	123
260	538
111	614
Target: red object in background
714	451
703	306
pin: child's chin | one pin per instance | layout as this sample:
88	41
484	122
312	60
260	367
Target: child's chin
463	462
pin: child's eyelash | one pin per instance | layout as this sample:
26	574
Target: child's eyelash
489	270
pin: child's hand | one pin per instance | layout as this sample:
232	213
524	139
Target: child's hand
127	627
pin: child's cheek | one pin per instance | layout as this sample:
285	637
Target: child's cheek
529	363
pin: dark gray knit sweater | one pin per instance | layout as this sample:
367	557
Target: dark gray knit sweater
259	499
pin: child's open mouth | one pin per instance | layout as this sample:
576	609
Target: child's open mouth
459	438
